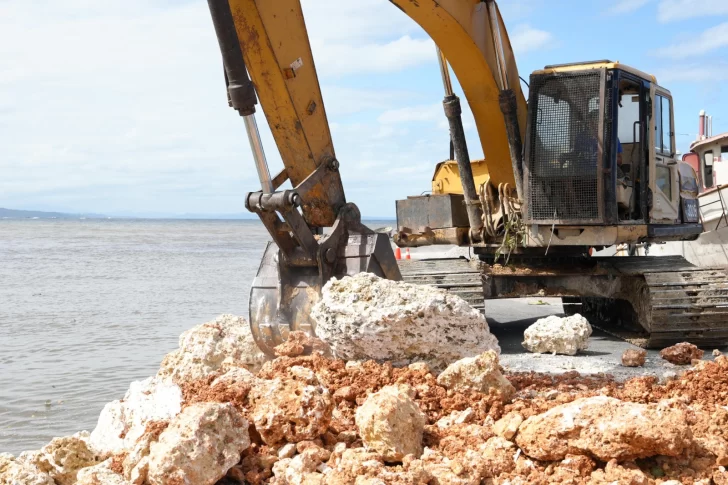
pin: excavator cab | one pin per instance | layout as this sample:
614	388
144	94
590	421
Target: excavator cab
600	150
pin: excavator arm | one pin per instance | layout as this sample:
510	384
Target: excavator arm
268	41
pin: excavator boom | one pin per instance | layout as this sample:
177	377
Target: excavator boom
268	41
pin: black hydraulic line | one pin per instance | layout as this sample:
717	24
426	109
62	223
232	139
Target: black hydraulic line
509	108
241	92
451	103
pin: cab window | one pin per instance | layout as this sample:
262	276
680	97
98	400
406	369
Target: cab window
664	181
708	169
663	128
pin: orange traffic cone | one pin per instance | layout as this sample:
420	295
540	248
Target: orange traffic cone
407	254
397	254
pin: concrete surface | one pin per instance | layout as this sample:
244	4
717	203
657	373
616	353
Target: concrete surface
509	318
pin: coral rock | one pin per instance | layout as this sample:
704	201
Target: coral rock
100	474
606	428
123	422
558	335
215	346
479	373
199	446
294	408
634	357
18	472
390	422
299	470
62	458
681	354
365	317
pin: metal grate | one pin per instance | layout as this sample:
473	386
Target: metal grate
563	153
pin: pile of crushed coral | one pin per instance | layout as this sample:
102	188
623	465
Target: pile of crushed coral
220	412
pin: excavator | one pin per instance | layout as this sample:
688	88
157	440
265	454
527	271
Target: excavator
588	162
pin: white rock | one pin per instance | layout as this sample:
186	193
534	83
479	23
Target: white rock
199	446
558	335
100	474
366	317
480	373
455	417
123	422
390	423
62	458
215	346
18	472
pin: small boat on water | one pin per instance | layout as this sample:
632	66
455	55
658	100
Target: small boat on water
709	157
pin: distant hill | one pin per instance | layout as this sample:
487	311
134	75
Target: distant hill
26	214
30	214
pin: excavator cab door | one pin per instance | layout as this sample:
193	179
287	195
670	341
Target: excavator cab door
664	184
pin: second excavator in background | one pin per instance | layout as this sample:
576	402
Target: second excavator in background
587	163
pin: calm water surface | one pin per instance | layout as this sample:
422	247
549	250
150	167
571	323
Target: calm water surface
87	306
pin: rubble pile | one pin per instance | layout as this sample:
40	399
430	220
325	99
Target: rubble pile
215	415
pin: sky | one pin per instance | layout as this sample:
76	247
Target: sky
119	107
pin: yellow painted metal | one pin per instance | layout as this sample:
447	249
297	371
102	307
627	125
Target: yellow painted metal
462	30
598	65
277	52
446	179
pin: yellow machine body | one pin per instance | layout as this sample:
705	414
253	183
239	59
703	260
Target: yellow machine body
446	179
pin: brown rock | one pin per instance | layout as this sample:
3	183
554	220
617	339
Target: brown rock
480	373
634	357
391	423
681	354
720	476
294	408
622	473
301	343
606	428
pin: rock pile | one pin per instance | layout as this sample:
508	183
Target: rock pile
225	418
558	335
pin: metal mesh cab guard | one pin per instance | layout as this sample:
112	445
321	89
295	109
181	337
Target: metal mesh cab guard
564	148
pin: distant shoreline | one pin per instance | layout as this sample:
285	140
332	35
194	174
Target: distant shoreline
14	214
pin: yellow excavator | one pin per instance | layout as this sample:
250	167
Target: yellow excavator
586	164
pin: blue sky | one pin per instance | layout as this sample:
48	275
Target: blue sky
119	107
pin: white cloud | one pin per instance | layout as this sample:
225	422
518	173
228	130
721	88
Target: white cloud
525	38
428	112
672	10
715	71
710	40
627	6
337	59
120	106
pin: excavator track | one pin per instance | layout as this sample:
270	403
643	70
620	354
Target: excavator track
649	301
459	276
686	304
672	301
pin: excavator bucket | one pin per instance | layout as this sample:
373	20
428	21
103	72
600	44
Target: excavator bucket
282	294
